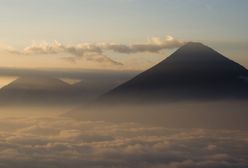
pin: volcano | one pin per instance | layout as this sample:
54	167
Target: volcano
193	72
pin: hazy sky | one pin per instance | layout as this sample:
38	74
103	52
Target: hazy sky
105	33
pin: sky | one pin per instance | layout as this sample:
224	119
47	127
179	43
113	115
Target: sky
116	34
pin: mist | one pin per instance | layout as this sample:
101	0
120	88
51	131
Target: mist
221	114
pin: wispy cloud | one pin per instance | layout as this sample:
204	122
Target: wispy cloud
153	45
95	51
57	47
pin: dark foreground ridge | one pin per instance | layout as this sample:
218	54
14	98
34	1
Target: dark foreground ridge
193	72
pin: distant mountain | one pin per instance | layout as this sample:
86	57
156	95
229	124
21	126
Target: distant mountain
193	72
46	90
35	89
42	83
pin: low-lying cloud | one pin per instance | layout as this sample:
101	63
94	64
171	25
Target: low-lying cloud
95	51
62	143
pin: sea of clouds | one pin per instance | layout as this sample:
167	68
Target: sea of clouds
58	142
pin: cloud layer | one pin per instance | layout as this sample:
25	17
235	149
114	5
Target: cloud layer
95	51
63	143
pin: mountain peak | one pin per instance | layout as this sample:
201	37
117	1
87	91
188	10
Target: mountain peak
197	51
195	47
195	58
194	44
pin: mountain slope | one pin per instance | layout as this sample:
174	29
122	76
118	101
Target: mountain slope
194	71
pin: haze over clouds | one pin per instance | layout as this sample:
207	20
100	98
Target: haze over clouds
61	143
95	51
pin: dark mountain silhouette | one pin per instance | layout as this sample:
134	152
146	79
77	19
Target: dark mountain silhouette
194	71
